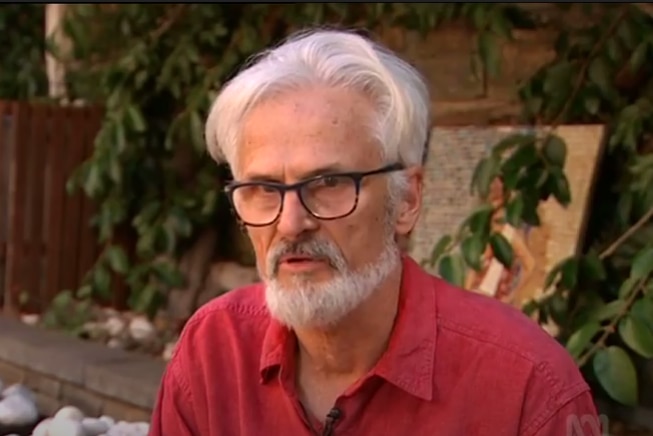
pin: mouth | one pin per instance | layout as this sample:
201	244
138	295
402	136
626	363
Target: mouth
300	262
298	259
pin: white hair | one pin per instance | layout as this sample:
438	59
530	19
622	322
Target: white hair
337	59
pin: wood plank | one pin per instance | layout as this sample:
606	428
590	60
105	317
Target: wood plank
88	250
33	268
5	163
74	153
56	195
14	280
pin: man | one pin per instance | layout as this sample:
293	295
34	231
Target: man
325	136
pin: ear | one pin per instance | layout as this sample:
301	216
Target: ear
411	203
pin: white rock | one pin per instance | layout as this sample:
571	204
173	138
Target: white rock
109	420
18	410
141	329
169	350
114	326
69	412
95	426
21	390
66	427
116	343
43	428
30	318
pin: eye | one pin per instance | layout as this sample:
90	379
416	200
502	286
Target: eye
331	181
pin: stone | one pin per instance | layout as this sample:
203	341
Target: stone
31	319
20	390
17	410
42	428
66	427
169	350
141	329
109	420
95	426
69	412
115	325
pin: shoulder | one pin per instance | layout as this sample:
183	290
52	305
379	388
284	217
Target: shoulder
503	340
223	323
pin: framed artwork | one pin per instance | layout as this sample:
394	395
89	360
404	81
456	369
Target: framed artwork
452	156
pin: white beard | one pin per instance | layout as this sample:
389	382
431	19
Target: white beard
320	305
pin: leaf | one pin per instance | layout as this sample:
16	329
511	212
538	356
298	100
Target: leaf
502	249
452	270
479	221
642	263
490	52
484	172
514	210
102	281
117	259
579	340
136	119
555	150
609	311
439	248
512	141
558	78
560	186
627	287
642	310
616	374
472	249
592	268
569	273
599	74
592	104
639	56
637	336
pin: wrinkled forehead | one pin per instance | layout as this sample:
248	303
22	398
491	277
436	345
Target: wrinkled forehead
307	133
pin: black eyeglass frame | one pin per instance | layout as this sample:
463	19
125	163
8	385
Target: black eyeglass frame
356	176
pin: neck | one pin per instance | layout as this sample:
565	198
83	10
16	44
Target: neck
355	344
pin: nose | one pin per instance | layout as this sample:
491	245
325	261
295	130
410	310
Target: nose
294	219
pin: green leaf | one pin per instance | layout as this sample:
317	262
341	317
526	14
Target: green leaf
117	259
479	220
452	270
439	248
555	150
484	172
599	74
627	287
592	104
580	339
514	210
642	310
637	336
490	52
616	373
592	268
512	141
560	186
502	249
136	119
609	311
639	56
102	281
569	273
558	78
472	249
642	263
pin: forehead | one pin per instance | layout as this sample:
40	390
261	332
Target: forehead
297	133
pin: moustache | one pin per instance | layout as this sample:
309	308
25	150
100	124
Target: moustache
320	249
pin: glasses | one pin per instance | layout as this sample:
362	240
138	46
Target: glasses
325	197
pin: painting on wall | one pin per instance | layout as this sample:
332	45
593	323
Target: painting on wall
452	156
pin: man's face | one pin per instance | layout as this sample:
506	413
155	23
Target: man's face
293	137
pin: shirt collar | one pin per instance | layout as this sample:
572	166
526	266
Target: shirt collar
408	362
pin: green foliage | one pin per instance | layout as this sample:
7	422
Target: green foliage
22	38
156	69
602	298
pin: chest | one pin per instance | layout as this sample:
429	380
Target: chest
376	409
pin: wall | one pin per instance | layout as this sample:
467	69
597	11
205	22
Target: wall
63	370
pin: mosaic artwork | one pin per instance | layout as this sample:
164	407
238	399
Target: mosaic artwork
452	156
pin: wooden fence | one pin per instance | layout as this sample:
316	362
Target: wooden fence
46	241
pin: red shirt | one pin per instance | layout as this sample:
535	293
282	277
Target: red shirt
457	364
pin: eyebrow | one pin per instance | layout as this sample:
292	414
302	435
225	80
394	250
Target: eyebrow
320	171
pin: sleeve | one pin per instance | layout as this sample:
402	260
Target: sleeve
577	417
173	411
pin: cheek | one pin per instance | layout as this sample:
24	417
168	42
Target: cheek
260	240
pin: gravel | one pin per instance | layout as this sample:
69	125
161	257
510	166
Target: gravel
19	416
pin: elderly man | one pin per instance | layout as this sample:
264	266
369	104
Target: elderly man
346	335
